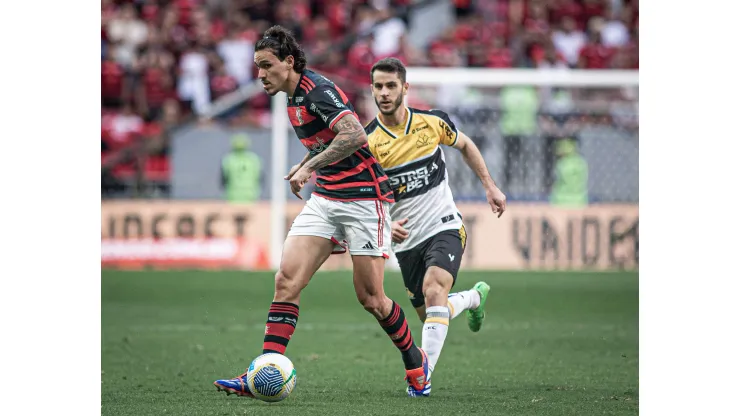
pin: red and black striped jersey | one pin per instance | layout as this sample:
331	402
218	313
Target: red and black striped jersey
315	107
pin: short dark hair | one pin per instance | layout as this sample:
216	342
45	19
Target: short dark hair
282	43
391	65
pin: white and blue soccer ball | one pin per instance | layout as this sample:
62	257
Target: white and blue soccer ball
271	377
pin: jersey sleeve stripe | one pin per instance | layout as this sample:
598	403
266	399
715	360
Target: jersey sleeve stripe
306	87
340	115
309	82
457	134
345	100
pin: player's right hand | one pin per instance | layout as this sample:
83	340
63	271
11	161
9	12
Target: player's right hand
298	179
295	188
292	172
398	233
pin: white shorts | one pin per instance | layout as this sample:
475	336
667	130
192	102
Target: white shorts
364	226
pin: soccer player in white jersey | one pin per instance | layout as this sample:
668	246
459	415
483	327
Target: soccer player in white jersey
427	229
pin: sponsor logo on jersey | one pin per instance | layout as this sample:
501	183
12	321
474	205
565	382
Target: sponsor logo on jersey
299	100
447	129
410	180
334	97
317	111
426	126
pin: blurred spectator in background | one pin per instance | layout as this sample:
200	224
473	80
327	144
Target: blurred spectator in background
124	125
558	120
156	83
615	32
193	84
569	40
594	54
112	74
237	51
387	34
551	58
499	56
128	32
222	82
519	107
571	176
241	172
159	57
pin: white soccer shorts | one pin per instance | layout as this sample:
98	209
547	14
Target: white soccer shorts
364	226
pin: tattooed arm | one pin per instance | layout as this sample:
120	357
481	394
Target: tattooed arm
306	159
350	137
300	164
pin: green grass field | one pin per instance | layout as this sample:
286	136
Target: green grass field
552	344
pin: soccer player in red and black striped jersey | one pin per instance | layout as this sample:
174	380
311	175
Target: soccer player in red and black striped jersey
348	209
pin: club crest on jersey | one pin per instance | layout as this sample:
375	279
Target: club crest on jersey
299	116
423	140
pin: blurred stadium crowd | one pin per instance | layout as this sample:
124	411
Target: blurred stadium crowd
166	60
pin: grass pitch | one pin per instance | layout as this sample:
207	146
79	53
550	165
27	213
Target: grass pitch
552	344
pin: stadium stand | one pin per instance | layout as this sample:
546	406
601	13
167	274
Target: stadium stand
163	61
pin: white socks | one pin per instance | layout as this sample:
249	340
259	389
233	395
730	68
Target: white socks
460	301
434	333
438	320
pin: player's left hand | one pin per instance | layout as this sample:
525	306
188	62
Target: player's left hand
496	199
299	178
398	233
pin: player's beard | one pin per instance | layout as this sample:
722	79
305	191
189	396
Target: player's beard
396	104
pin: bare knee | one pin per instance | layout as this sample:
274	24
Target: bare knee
368	280
437	285
376	304
288	287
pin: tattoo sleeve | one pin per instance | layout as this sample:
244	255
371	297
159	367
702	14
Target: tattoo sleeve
306	158
350	137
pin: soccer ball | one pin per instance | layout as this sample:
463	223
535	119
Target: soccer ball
271	377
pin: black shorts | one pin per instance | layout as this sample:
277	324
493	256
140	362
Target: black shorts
444	250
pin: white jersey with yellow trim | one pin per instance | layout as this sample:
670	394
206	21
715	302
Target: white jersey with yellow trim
411	156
